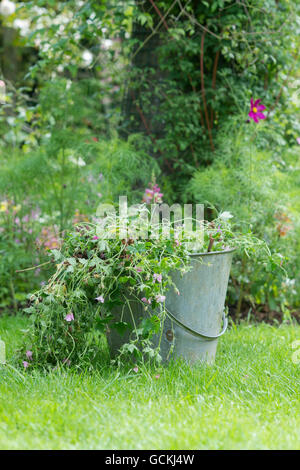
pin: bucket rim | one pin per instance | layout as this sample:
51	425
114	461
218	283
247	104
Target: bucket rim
213	252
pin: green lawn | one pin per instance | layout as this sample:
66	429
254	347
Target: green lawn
248	400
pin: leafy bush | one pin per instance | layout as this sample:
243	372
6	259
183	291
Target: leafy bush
259	187
53	188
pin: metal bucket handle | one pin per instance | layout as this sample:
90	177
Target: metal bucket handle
197	333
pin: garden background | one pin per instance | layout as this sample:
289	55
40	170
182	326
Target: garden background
107	98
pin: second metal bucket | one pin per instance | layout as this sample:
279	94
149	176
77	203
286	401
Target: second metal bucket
194	318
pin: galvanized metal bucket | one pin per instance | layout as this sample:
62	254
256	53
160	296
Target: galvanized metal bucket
194	318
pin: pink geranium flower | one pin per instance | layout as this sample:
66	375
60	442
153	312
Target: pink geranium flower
255	111
69	317
157	277
29	355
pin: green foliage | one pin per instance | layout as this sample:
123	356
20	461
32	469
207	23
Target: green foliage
175	80
99	274
93	276
259	187
19	229
60	186
208	60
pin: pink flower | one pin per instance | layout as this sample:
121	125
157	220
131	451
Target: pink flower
157	277
29	355
255	111
35	213
146	301
148	196
100	298
152	194
69	317
160	298
157	376
25	364
49	238
135	369
298	140
95	237
138	269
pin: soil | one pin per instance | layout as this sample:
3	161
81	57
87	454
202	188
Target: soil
263	314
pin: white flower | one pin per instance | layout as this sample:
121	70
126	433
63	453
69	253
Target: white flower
225	216
87	57
45	46
289	282
77	161
7	8
37	41
107	43
23	25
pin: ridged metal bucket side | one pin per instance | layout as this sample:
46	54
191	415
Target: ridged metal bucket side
200	306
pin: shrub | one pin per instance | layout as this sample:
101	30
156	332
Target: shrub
259	186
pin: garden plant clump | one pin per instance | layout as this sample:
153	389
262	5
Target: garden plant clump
111	324
95	274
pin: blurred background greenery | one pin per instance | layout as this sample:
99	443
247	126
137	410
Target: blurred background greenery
103	98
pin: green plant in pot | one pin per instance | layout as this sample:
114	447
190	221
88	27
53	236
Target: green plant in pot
129	288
